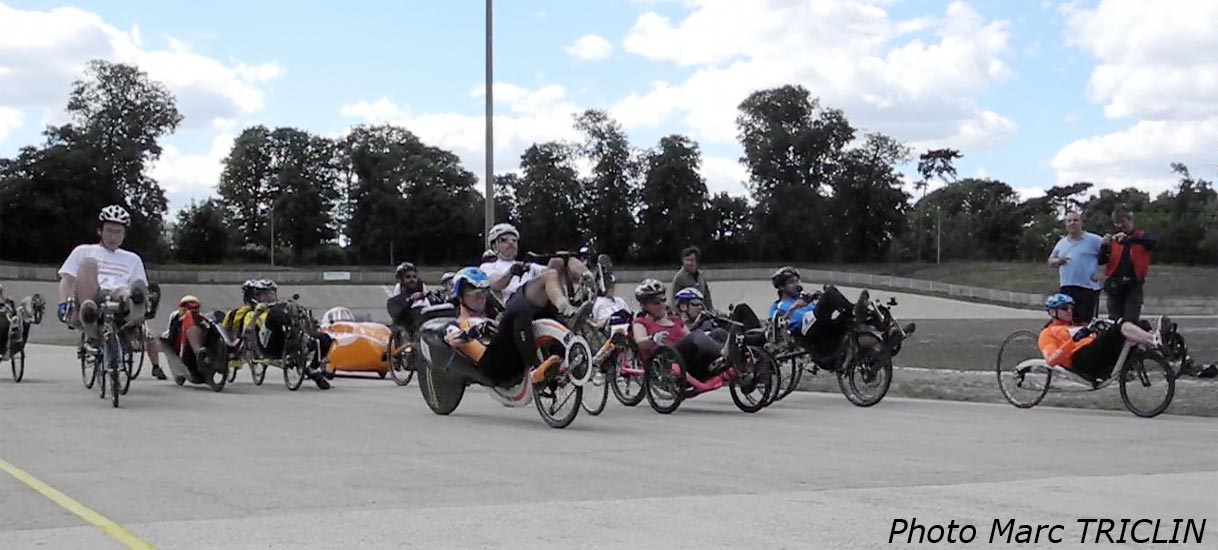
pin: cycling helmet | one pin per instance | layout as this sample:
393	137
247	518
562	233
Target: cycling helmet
336	314
114	214
501	230
780	277
1058	301
689	295
649	288
447	277
471	276
404	267
189	302
247	291
263	285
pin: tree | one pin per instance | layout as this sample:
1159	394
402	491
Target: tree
731	226
792	148
505	198
612	189
981	219
868	203
120	115
673	211
410	200
549	198
201	235
286	177
934	163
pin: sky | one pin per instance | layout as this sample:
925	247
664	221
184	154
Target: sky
1034	93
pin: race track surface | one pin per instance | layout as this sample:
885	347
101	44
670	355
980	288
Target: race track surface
367	465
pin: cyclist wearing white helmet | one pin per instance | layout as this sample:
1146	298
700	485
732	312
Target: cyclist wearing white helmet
610	307
507	275
94	272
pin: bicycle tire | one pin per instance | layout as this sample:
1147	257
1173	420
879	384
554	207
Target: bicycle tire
18	365
402	364
761	369
660	376
628	355
1037	394
1141	358
599	395
845	375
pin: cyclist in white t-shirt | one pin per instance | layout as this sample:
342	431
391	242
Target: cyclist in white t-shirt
94	272
508	275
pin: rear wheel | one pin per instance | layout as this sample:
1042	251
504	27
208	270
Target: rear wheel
1023	377
441	392
1147	383
664	383
789	374
18	364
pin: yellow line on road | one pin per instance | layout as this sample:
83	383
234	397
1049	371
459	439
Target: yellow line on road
114	530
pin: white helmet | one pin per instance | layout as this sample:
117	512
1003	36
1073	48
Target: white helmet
337	314
650	288
115	214
500	230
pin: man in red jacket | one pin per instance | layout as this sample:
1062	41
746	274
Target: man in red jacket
1127	255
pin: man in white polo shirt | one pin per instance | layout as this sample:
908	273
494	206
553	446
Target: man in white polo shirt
94	272
508	275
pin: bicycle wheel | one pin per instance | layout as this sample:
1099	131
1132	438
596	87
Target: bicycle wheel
788	378
664	382
1141	370
114	366
560	399
18	364
402	359
866	378
1023	377
756	381
627	386
88	364
127	362
596	390
441	392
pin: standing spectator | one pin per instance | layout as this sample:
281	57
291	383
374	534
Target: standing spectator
1127	255
690	276
1076	258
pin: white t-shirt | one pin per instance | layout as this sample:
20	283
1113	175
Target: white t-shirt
497	268
605	307
115	270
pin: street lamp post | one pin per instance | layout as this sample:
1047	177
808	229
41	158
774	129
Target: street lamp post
490	128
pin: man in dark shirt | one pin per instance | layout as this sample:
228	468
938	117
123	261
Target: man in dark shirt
1127	255
690	276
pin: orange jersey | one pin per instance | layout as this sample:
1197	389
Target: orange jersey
457	335
1057	343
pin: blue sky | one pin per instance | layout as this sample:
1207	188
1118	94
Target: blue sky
1024	89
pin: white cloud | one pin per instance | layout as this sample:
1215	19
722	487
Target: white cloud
1158	68
535	116
590	47
724	174
186	176
44	51
10	120
1073	118
847	54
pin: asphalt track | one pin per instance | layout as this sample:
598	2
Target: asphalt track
367	465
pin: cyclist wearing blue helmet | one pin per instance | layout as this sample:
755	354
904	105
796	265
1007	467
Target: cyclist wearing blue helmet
476	334
1079	348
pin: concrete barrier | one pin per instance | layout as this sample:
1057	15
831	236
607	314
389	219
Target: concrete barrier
1200	305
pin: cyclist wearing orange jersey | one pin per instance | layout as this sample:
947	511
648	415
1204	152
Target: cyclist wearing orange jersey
1078	348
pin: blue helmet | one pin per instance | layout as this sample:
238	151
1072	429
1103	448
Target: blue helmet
470	276
1058	301
689	295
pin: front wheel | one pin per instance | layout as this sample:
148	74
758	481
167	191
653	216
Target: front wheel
441	392
402	360
664	382
865	379
756	380
559	399
1142	370
627	376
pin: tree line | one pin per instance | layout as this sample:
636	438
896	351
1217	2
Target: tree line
818	191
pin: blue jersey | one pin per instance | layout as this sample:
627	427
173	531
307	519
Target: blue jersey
784	305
